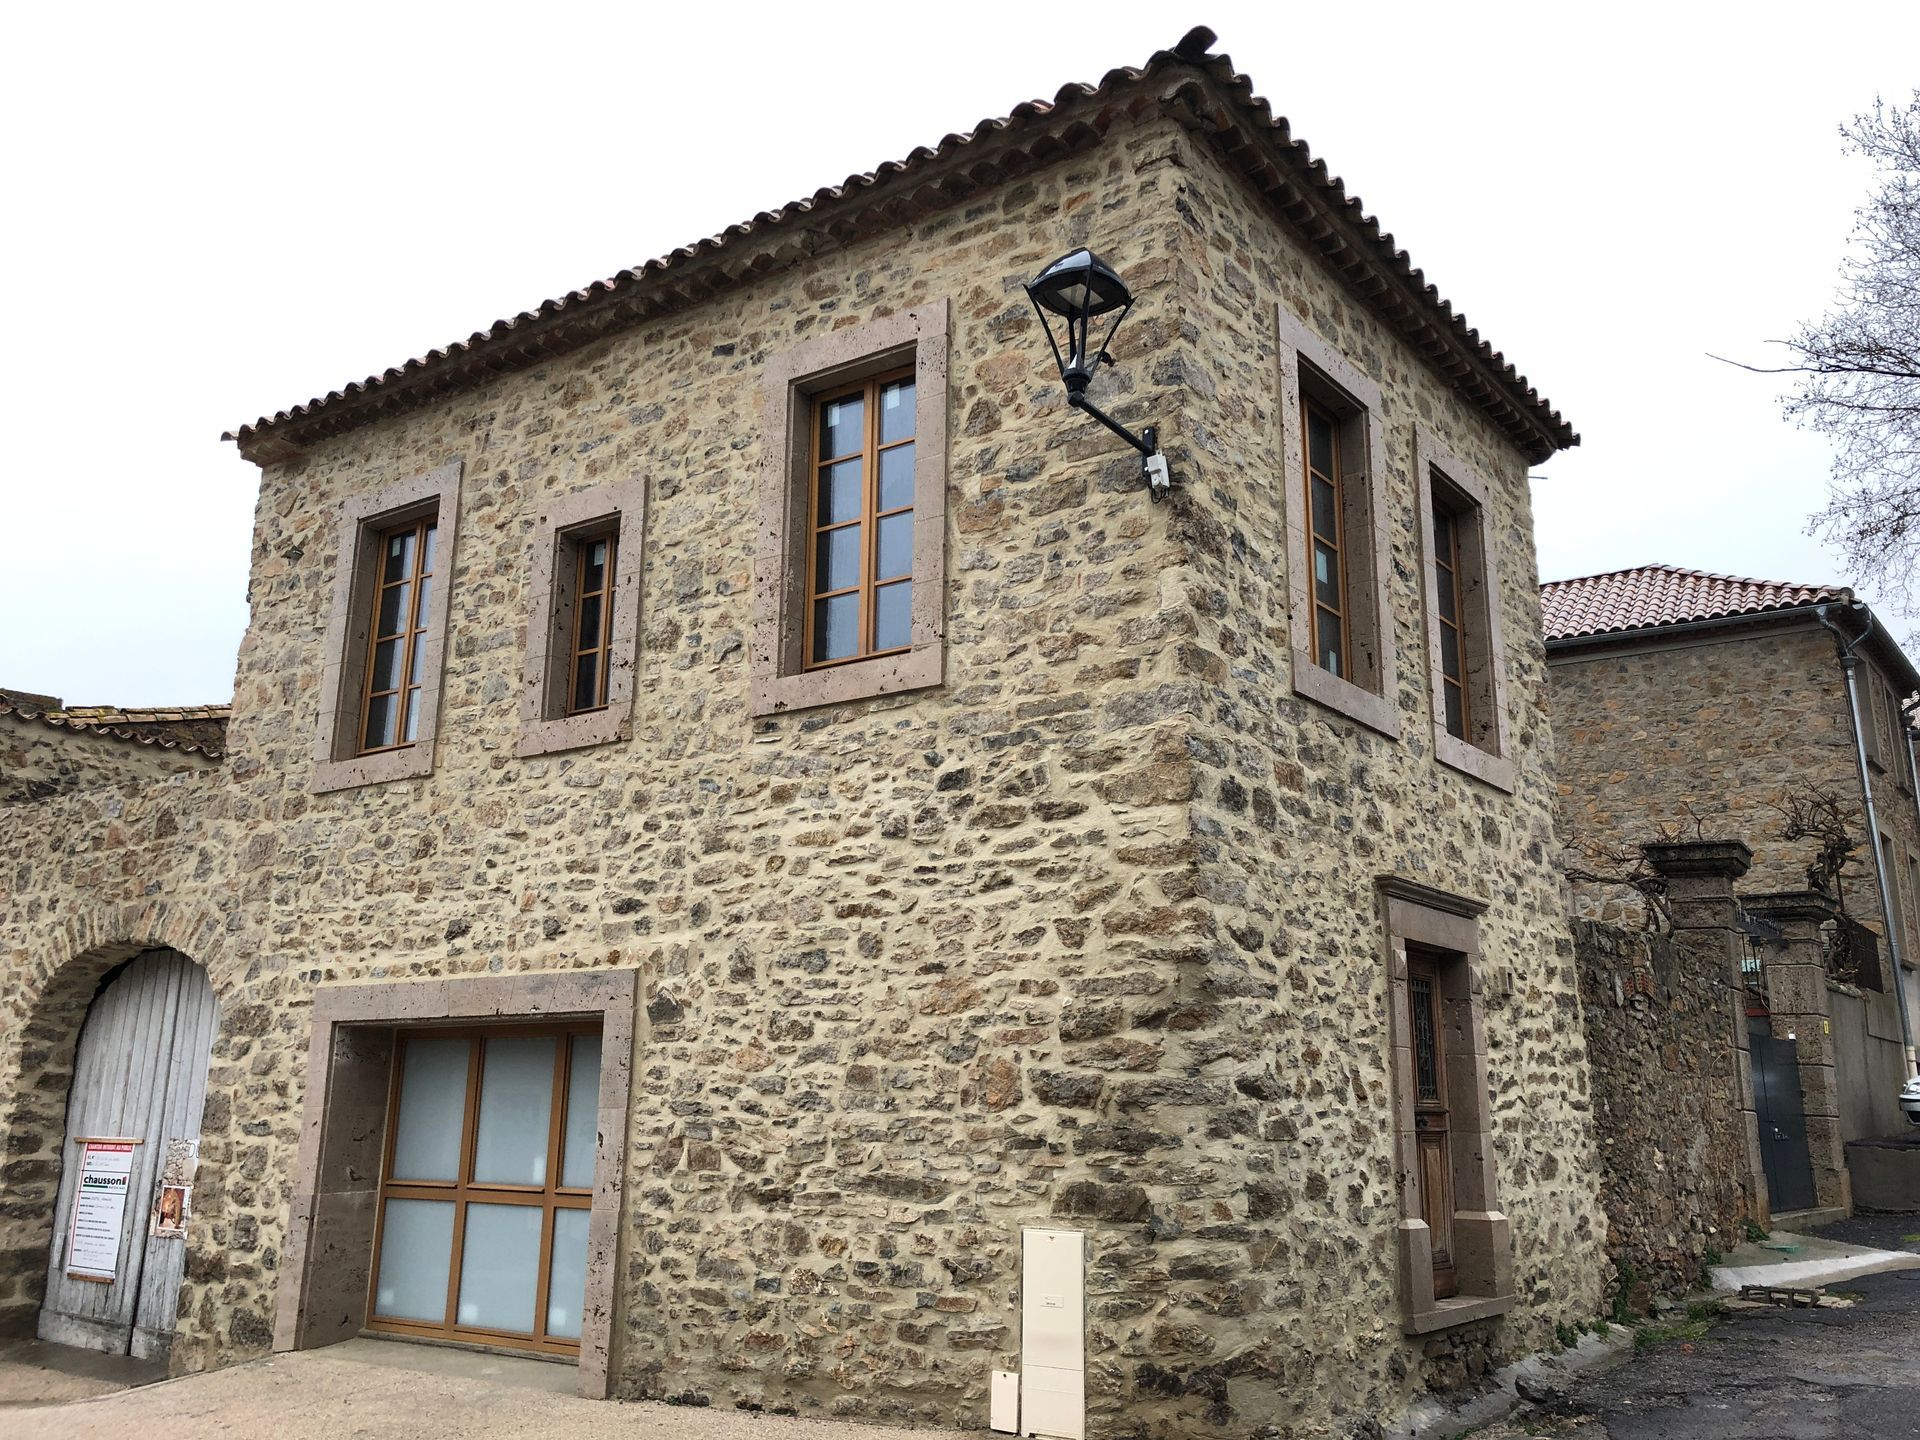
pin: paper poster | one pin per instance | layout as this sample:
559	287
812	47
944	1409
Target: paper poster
172	1201
99	1208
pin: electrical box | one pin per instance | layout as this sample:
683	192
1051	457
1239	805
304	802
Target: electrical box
1053	1333
1003	1408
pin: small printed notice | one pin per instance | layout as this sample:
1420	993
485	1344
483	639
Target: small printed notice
99	1208
172	1201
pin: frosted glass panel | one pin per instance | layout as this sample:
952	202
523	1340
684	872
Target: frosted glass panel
500	1266
433	1102
416	1247
516	1106
567	1283
583	1104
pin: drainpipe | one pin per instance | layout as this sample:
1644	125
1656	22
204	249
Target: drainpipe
1849	665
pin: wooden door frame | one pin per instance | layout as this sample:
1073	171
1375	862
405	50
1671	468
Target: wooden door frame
1431	1117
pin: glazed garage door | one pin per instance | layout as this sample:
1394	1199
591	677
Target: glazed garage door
139	1084
487	1184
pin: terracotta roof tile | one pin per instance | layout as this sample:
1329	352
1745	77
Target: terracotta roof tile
190	729
1651	595
1240	124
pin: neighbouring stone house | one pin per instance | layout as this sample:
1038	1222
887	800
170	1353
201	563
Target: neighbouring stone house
47	748
602	912
1689	704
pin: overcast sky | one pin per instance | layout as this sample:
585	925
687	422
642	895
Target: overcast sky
220	211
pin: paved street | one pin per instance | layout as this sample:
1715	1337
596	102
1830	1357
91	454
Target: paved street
1850	1374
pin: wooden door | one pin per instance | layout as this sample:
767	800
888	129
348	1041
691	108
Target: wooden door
1431	1121
140	1074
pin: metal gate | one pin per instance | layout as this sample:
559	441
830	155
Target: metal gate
1783	1124
140	1075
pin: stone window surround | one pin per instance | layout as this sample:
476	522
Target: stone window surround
337	766
781	681
1436	921
324	1276
1485	756
1308	364
545	726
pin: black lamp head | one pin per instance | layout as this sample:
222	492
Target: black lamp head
1079	284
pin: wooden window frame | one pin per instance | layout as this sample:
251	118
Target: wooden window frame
432	496
1336	542
463	1191
600	643
1447	482
548	723
783	679
867	587
1439	932
413	625
1313	372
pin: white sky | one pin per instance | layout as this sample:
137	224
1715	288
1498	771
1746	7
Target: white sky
218	211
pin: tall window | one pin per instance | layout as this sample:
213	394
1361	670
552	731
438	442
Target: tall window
1324	509
594	558
1456	701
860	578
396	669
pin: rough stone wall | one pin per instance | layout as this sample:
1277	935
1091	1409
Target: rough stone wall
38	760
1666	1104
921	969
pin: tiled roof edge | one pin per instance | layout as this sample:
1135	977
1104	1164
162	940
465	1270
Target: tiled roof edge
960	164
60	720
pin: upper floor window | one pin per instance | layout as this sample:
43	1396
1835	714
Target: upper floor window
850	570
1340	628
396	663
860	586
386	635
1466	658
583	619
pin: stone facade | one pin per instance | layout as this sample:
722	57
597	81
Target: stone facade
1088	935
39	759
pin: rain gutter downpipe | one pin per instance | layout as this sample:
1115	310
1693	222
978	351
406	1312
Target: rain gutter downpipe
1849	665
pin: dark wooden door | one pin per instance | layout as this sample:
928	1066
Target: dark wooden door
1431	1119
1782	1120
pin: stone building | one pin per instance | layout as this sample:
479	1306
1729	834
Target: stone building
746	966
47	748
1689	704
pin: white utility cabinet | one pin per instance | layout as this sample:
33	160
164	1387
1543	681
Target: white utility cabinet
1053	1333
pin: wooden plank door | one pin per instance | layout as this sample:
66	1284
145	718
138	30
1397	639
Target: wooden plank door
1431	1118
140	1073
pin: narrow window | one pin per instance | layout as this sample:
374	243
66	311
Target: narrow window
1325	507
396	670
594	558
860	577
1457	703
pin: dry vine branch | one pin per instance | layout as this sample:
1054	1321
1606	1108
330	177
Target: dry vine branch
1814	812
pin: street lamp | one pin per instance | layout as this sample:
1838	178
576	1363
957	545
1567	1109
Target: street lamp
1081	288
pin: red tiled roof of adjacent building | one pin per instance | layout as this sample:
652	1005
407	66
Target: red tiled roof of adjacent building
193	729
1221	105
1652	595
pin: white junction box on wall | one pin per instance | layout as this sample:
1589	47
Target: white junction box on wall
1003	1411
1053	1333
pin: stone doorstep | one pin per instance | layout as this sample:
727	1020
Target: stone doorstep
1432	1417
1817	1218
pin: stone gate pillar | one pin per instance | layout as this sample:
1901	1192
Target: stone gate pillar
1706	934
1796	971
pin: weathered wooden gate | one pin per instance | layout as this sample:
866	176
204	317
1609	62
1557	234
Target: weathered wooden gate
140	1074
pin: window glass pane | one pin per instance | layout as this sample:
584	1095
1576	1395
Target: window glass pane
1426	1048
423	601
1319	441
896	547
840	492
399	555
896	411
586	680
836	561
380	717
1456	719
896	477
1326	512
516	1105
393	609
583	1113
1326	576
836	627
500	1267
893	616
410	732
1443	535
594	572
1332	650
417	675
1443	583
416	1249
433	1104
426	555
567	1281
1449	652
590	622
842	427
386	664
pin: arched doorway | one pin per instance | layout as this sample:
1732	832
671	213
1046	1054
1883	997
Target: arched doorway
133	1122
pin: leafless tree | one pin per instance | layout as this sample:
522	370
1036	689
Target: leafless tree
1816	813
1859	365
